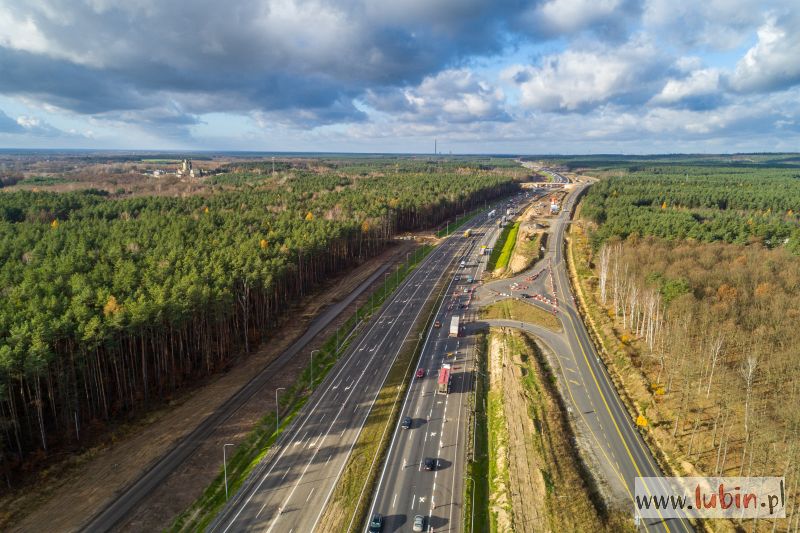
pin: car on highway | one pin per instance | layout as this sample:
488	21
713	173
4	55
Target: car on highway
420	373
437	324
376	524
457	278
406	423
429	463
525	295
419	523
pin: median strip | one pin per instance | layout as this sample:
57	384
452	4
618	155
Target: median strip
247	455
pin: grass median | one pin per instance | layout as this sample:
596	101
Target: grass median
476	486
524	312
501	253
349	503
247	455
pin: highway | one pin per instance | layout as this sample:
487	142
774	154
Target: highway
406	488
619	452
594	398
289	489
118	509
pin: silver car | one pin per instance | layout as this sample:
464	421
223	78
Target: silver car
419	523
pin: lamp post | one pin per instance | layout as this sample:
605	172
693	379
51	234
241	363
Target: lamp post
277	414
312	367
225	468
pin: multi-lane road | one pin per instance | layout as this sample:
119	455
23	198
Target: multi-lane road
290	488
620	454
288	491
407	489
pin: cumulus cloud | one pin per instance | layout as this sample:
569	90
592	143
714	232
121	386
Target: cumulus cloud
307	58
701	89
710	24
606	18
579	80
773	63
452	96
8	124
317	69
27	125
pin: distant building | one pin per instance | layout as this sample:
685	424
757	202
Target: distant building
187	171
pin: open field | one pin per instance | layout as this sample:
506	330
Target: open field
518	310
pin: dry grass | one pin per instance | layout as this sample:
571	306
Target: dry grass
544	479
348	505
524	312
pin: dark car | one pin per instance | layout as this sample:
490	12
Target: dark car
376	524
420	373
406	422
429	463
437	324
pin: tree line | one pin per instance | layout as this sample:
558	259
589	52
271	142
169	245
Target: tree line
113	305
731	204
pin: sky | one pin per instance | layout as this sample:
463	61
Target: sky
479	76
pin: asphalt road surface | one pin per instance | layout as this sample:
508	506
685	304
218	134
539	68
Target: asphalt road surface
126	501
620	453
289	490
406	488
595	400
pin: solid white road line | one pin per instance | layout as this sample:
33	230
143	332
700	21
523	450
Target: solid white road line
344	365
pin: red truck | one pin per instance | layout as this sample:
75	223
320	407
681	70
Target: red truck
444	380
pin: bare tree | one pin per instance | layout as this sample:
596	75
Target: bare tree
605	257
715	351
748	372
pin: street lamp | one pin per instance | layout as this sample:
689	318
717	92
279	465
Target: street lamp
312	367
225	468
472	510
277	415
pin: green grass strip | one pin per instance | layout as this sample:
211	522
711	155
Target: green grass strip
476	484
501	253
247	455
